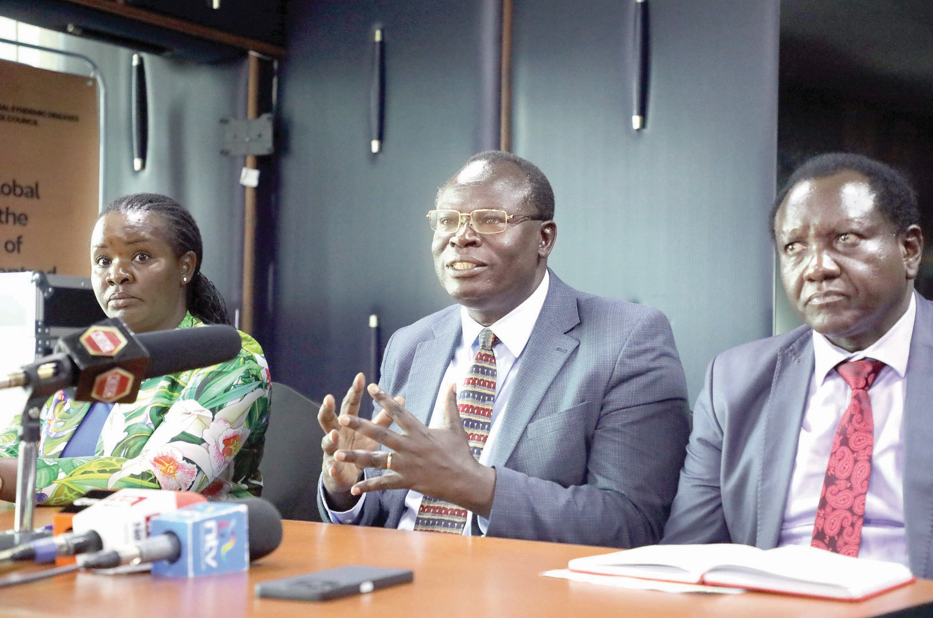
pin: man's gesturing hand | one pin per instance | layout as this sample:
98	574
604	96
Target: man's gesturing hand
434	462
338	476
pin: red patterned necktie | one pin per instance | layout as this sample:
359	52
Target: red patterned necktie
841	512
475	406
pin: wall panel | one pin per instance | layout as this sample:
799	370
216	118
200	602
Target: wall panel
673	216
352	234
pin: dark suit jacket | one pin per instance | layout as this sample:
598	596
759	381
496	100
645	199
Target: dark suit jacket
593	438
746	425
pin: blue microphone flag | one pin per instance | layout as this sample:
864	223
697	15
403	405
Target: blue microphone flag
214	539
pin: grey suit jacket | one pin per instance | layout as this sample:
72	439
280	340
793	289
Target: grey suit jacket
593	438
746	425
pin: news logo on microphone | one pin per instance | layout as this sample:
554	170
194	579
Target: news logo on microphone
124	517
214	539
111	362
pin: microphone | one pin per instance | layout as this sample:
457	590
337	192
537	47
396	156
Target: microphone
201	539
124	517
61	521
107	362
47	549
120	518
174	351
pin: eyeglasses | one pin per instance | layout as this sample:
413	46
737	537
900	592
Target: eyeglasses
483	220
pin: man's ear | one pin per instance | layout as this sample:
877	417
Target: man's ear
547	236
912	250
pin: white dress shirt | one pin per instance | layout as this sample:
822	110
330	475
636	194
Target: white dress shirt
883	535
512	333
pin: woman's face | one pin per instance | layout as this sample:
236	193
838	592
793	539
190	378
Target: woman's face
135	272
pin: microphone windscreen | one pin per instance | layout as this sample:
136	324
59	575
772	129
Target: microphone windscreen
265	527
173	351
212	538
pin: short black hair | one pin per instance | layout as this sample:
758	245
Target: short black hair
894	197
540	195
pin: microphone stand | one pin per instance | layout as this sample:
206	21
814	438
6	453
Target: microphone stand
42	382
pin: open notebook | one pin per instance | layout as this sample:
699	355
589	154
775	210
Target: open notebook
793	569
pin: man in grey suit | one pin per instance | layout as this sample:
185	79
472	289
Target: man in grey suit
580	432
788	448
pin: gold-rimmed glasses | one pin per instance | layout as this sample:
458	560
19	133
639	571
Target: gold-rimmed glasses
483	220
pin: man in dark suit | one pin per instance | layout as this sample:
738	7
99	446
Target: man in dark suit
823	436
529	409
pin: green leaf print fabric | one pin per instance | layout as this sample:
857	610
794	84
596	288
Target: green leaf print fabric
200	430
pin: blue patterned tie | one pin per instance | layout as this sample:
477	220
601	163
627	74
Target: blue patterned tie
475	406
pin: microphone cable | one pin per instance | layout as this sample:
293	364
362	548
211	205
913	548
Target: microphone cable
24	578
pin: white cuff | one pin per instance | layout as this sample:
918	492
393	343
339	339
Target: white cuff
340	517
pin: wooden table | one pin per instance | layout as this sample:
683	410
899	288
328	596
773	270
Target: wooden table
504	574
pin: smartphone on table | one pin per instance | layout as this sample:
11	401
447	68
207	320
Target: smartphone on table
333	583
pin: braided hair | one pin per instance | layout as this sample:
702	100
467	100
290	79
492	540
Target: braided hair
203	300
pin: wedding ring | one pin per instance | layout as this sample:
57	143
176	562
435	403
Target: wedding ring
389	462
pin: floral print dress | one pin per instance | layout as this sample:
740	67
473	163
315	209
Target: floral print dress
201	430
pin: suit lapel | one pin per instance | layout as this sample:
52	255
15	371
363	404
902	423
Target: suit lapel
783	417
427	369
918	438
546	352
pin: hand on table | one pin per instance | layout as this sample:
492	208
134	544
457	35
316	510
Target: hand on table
435	462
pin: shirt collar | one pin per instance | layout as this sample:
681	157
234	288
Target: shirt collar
892	349
514	328
189	321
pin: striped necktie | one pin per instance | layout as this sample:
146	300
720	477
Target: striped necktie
474	402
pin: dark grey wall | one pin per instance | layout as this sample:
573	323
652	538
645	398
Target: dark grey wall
673	216
352	233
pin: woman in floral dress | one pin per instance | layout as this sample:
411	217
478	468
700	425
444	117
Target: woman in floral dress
201	430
